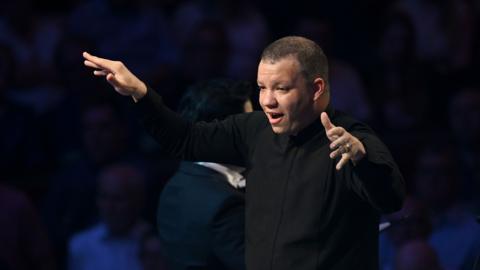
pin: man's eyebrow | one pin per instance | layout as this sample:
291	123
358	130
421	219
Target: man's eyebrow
275	83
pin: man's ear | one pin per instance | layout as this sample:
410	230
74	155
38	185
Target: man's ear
319	88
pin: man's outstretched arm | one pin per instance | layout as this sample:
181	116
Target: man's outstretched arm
222	142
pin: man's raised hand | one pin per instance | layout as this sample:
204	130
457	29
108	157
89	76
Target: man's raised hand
118	75
342	143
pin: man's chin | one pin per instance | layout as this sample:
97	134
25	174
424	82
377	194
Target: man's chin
280	130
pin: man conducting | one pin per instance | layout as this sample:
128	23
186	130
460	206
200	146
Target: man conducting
318	180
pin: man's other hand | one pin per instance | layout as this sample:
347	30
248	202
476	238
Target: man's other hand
342	143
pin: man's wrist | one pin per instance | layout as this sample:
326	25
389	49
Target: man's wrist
142	91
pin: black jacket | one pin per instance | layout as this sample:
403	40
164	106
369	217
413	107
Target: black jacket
201	221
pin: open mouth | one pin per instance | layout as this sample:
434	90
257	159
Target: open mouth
275	118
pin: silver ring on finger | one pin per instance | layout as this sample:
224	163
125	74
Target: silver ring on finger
347	147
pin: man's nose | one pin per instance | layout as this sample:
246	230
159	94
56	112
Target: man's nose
267	99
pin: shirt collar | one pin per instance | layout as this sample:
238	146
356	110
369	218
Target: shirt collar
231	172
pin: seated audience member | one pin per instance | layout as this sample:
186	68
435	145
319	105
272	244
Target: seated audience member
455	234
113	243
411	223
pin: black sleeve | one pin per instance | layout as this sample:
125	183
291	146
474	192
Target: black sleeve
219	141
377	178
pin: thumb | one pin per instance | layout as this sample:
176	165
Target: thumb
111	79
326	121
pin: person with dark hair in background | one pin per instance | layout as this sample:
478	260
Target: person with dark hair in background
69	205
318	180
201	213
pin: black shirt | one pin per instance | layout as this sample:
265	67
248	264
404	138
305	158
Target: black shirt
301	213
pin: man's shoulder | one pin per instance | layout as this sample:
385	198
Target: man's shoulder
255	117
349	123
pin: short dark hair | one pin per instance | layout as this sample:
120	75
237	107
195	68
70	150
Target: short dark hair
310	56
214	99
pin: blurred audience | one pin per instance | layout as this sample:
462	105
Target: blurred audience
113	243
411	223
455	233
24	243
69	205
400	90
417	255
23	160
408	67
247	33
345	81
464	121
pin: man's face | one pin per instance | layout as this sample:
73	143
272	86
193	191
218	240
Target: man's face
285	96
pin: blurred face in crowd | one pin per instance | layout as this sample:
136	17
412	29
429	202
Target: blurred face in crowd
435	181
417	255
465	118
120	199
396	42
6	68
103	135
285	96
206	52
410	223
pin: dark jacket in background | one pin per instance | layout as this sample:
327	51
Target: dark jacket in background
201	220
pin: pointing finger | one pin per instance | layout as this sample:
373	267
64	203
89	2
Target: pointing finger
100	72
91	64
99	62
326	121
113	80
